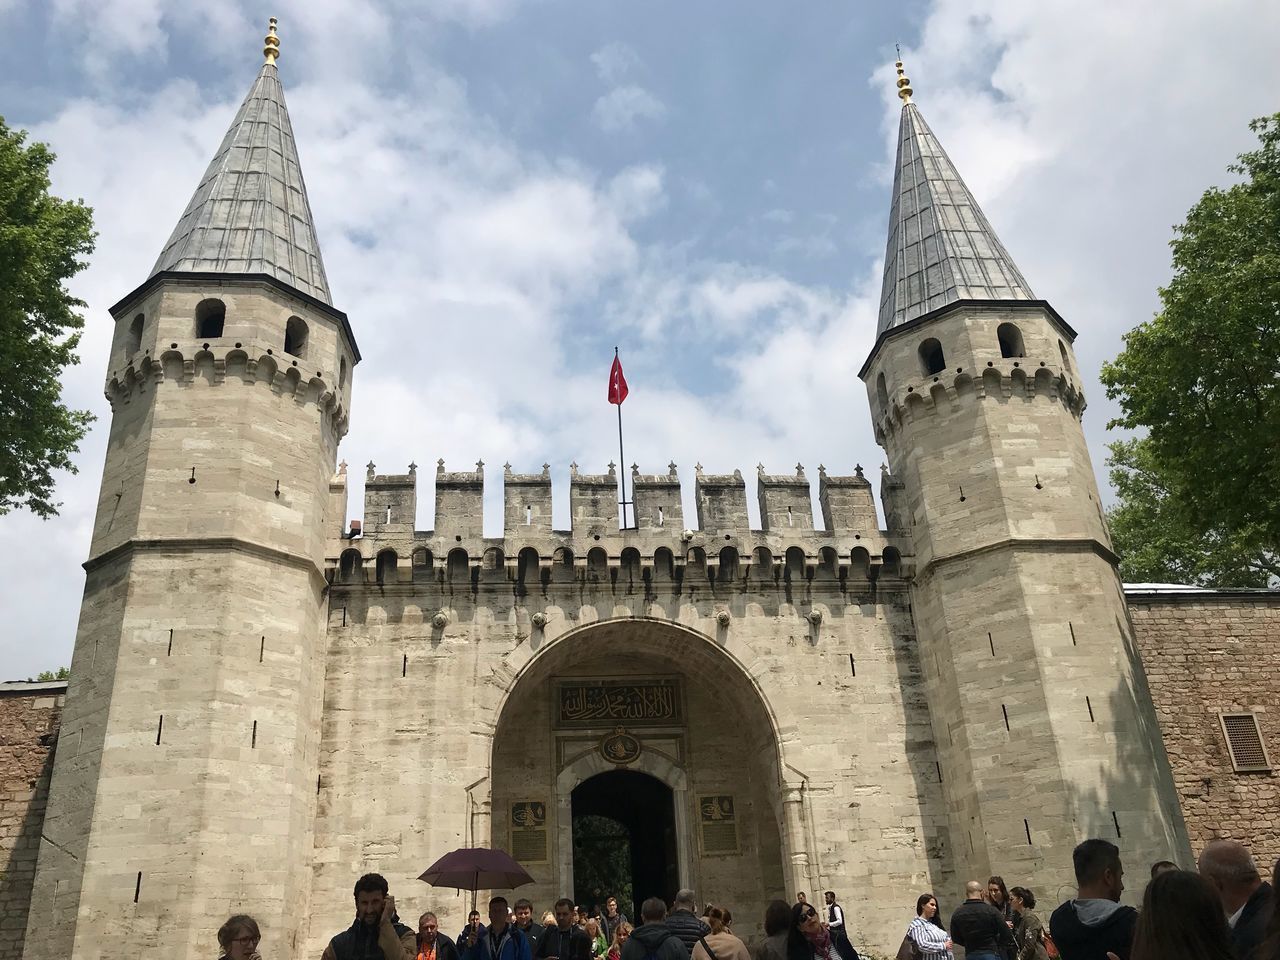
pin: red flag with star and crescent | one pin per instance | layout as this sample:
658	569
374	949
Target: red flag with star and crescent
617	382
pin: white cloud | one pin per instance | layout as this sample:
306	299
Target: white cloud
622	107
614	61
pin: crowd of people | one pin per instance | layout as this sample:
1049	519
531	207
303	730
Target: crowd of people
1223	910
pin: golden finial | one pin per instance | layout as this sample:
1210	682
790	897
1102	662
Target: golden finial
904	85
271	43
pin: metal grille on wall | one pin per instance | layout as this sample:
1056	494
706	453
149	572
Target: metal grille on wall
1244	740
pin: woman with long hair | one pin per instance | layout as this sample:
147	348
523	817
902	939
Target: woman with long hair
1028	930
723	943
621	934
599	945
808	939
927	932
1181	917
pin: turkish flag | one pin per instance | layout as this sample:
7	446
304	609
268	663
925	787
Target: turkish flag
617	382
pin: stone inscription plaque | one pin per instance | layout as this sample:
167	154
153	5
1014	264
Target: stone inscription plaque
529	831
718	825
652	701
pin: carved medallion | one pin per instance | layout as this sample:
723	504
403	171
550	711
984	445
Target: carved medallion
620	747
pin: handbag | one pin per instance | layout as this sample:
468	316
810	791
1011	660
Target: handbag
909	949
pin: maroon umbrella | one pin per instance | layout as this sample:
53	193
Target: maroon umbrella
475	868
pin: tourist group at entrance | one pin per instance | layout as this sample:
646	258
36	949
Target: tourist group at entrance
1224	910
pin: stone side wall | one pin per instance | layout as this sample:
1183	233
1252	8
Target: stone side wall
1205	654
29	718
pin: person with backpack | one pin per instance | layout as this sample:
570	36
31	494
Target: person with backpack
720	943
653	939
1028	930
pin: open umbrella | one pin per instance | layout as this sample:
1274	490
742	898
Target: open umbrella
471	868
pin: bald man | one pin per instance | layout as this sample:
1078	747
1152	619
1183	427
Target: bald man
979	927
1246	897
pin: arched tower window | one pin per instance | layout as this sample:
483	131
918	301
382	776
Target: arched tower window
1066	361
385	570
932	360
342	374
134	342
882	393
1010	338
210	317
349	565
295	337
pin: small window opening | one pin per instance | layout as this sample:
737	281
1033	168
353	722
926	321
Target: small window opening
528	516
137	887
791	520
262	648
932	360
1027	826
1005	711
253	737
882	392
169	653
1010	338
134	343
1116	821
159	729
211	315
342	374
660	517
1089	703
388	520
295	337
1244	742
1066	362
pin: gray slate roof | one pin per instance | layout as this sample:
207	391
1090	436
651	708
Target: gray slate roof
250	213
941	247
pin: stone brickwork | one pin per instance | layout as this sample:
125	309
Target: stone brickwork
29	718
1207	653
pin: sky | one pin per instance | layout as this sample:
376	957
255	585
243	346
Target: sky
505	190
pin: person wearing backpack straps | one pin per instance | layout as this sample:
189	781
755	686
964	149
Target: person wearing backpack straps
653	939
721	943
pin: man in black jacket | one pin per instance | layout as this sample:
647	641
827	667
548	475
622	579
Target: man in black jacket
979	927
1095	923
653	936
1246	897
683	922
377	933
432	944
525	923
564	941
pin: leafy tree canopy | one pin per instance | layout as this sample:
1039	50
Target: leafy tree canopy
63	673
1203	379
43	242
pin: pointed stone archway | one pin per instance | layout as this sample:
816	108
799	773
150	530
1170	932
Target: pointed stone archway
718	751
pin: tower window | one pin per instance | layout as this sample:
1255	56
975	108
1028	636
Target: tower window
1066	362
134	343
295	337
210	317
342	374
882	393
932	360
1010	338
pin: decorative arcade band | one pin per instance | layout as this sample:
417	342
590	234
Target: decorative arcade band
1224	909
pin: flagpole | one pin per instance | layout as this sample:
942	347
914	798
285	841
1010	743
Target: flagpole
622	461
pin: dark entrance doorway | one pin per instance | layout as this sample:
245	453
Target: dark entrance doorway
624	841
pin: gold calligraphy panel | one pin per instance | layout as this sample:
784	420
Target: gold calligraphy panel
718	825
529	831
652	701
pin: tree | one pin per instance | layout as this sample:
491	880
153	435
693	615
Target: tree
43	243
1203	379
1155	537
64	673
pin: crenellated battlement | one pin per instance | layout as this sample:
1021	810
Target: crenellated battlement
283	375
724	547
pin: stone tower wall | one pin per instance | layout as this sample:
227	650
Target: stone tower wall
1024	633
794	647
185	775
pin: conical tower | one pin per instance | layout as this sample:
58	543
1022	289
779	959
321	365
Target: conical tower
1040	711
184	783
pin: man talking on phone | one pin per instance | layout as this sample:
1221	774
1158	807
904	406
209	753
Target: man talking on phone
377	933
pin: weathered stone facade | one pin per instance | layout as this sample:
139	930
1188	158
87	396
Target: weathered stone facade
29	717
1209	653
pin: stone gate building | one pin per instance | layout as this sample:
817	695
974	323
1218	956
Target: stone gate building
264	705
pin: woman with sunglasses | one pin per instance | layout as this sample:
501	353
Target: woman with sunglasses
809	938
239	938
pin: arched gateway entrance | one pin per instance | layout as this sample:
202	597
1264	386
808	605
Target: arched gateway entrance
639	753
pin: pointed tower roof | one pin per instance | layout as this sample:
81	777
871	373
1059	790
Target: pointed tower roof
250	213
941	247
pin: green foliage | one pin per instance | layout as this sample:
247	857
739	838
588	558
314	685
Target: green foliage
1203	378
64	673
43	242
1155	537
601	861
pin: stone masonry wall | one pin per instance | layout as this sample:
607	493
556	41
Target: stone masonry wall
1205	654
29	718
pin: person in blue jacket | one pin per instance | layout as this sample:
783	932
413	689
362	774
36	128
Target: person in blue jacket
502	940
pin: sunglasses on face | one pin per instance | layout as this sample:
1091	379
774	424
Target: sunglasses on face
245	939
